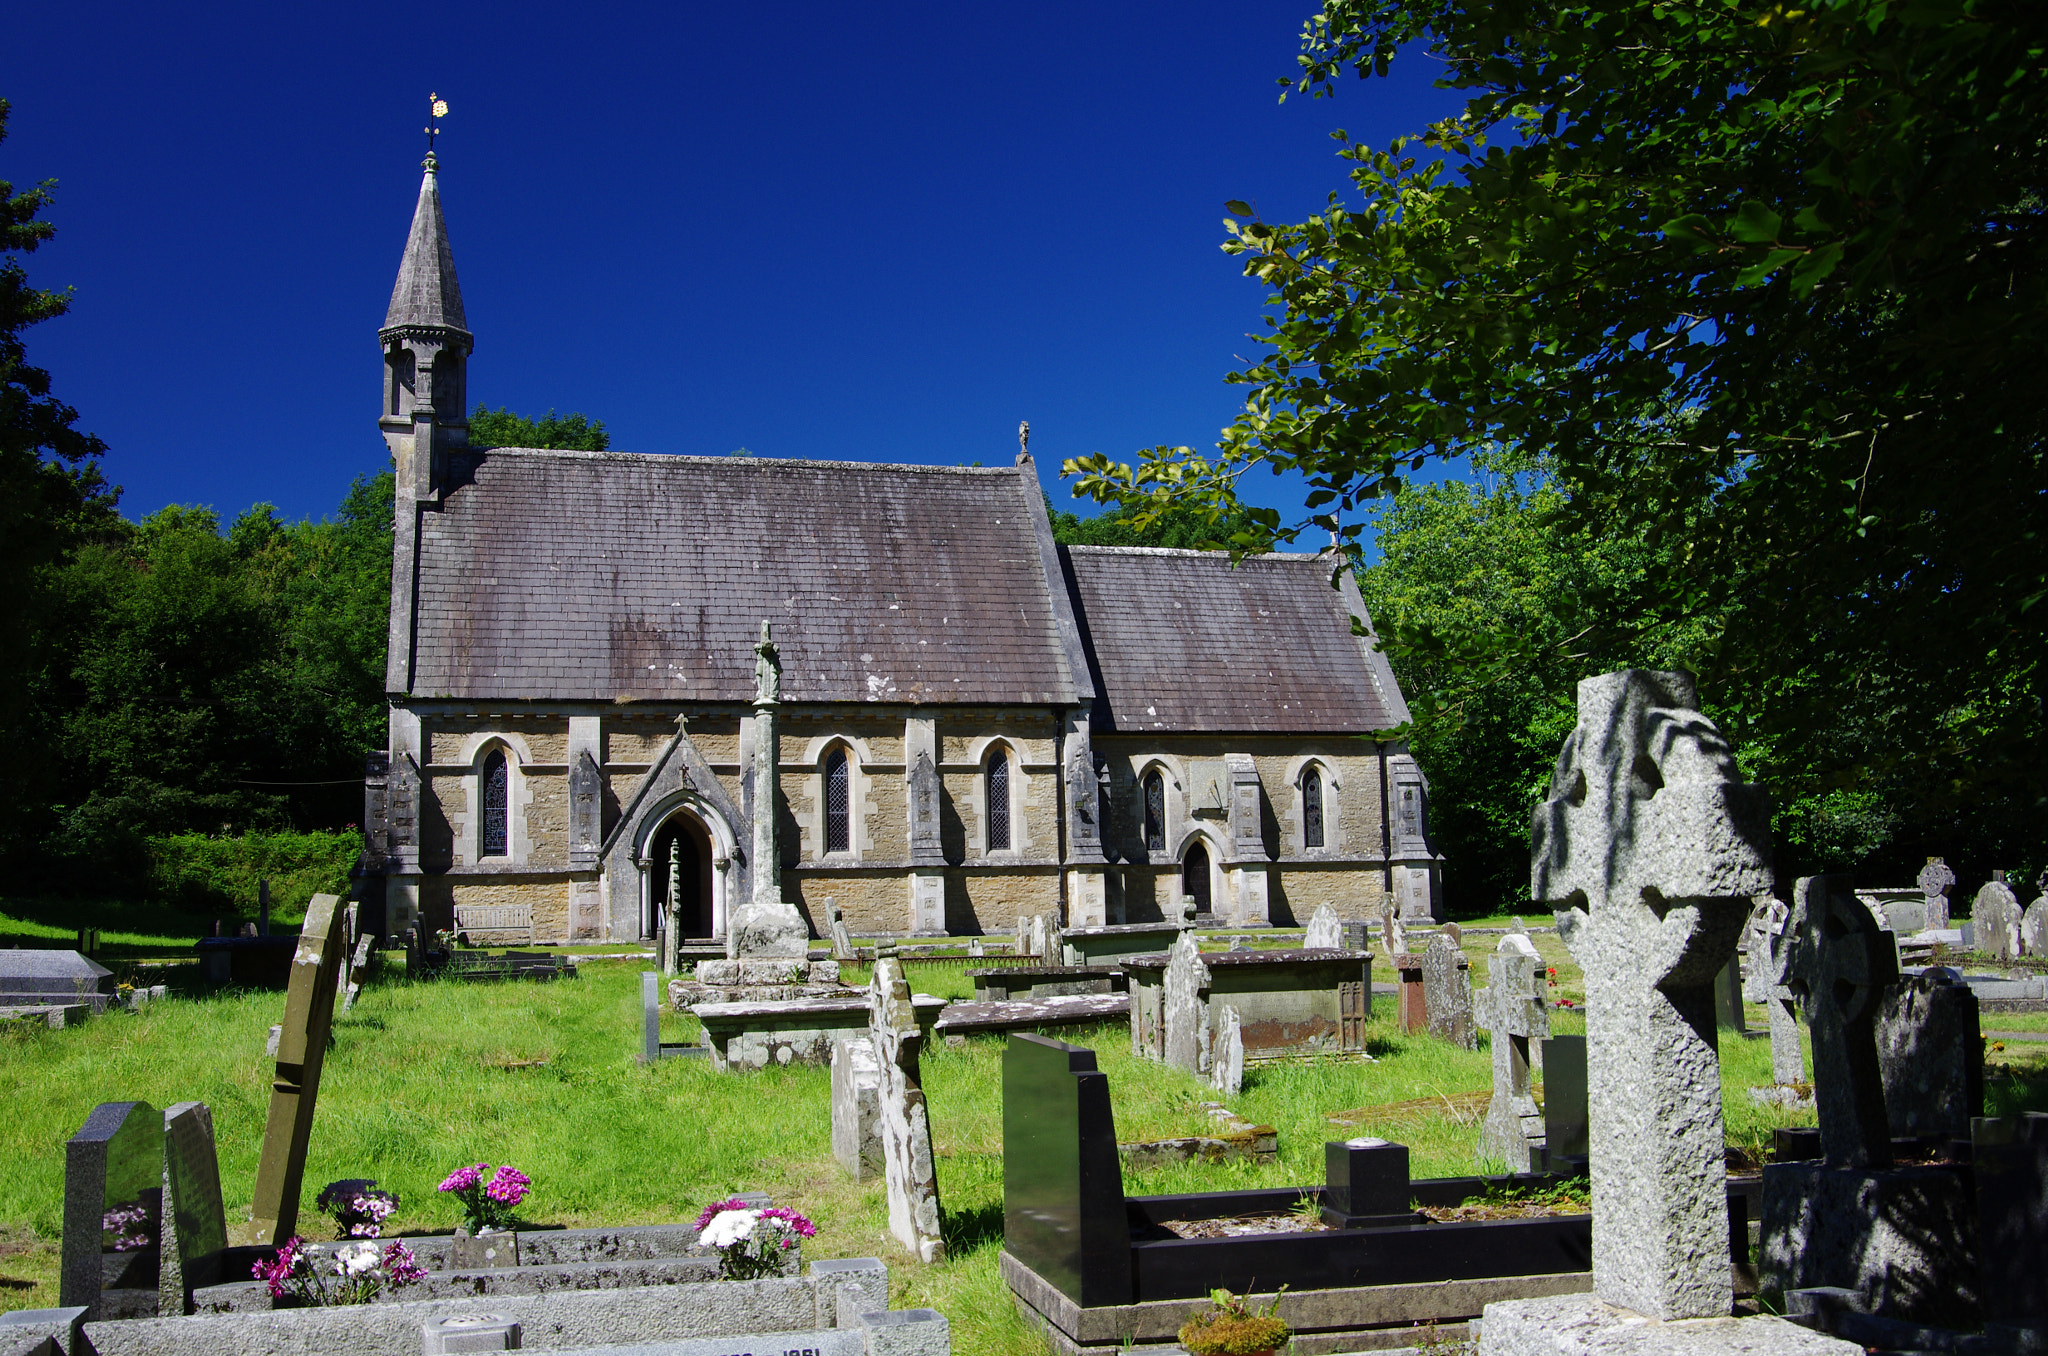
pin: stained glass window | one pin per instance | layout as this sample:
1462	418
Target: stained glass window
998	800
837	798
495	785
1155	812
1312	808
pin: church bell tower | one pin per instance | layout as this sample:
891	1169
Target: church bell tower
426	343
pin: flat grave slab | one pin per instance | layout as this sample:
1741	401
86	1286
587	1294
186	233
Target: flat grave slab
1022	1014
39	978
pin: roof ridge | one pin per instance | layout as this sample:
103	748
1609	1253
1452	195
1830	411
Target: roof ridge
1185	551
616	454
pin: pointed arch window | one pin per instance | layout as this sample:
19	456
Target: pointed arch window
998	801
838	802
1312	808
496	781
1155	812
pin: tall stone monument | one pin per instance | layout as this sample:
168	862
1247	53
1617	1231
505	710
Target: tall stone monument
1651	848
302	1049
768	926
1514	1011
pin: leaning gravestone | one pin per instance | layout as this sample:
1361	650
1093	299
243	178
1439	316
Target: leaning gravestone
1899	1237
856	1112
1447	993
113	1212
302	1049
1184	1012
1395	936
1325	931
1512	1009
1931	1053
195	1224
908	1167
842	944
1652	848
1996	915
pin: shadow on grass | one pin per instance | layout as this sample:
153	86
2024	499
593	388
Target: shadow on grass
970	1230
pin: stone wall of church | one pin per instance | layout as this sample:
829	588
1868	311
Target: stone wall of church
548	898
1358	893
991	901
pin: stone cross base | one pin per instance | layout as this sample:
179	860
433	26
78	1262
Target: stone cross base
1580	1325
1900	1238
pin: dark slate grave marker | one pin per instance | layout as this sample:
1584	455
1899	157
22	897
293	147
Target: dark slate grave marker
1366	1184
1566	1125
1063	1197
113	1210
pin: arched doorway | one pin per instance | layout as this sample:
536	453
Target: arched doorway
683	835
1194	876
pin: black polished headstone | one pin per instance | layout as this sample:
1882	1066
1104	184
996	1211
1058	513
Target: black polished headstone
1795	1144
1566	1127
113	1208
1063	1195
1366	1184
2010	1156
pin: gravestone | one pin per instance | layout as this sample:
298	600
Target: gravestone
1063	1197
1759	977
1838	963
1447	993
2034	924
1651	849
195	1229
1996	915
1931	1054
1788	1047
1226	1062
302	1049
842	944
35	978
1513	1011
358	968
856	1111
1896	1236
1395	936
2010	1159
906	1133
767	926
1565	1113
1184	1013
1325	931
113	1212
1935	881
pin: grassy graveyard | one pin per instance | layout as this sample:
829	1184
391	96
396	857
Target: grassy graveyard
425	1077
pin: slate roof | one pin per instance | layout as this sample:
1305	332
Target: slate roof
1180	640
553	575
426	292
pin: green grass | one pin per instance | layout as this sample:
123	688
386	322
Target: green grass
423	1077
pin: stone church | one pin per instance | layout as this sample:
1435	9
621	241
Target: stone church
976	723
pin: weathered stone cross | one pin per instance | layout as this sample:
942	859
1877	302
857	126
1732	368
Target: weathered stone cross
1838	962
1516	1014
1650	848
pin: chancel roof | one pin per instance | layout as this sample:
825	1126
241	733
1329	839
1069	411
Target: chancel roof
550	575
1181	640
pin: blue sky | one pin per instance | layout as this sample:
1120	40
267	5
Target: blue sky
876	233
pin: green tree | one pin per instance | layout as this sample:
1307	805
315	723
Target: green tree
51	496
1761	287
502	428
1181	527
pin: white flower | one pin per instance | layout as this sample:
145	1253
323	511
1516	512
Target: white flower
729	1227
356	1259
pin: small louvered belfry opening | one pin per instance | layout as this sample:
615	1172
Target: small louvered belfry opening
495	786
836	801
1155	812
1312	808
998	800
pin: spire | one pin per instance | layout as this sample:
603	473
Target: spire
427	293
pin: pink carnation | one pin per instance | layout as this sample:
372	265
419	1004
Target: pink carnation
796	1223
462	1179
509	1186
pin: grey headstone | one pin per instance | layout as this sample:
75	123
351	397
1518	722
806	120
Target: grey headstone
908	1167
1325	931
1935	881
856	1113
842	943
1513	1011
1395	935
1839	962
1651	849
1185	1012
650	1016
1895	1236
1996	915
1226	1064
1931	1054
1447	993
270	1042
195	1223
2034	928
113	1203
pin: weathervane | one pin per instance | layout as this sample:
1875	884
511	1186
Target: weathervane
437	109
